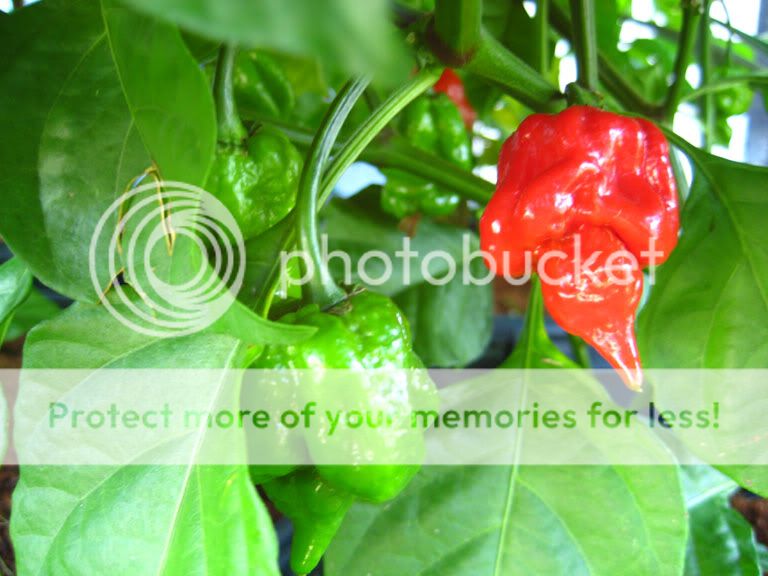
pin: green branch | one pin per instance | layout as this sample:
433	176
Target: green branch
321	288
707	102
457	28
726	83
498	65
752	41
612	78
230	128
375	123
721	55
542	35
585	42
398	153
691	17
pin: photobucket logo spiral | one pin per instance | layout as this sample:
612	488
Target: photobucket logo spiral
140	255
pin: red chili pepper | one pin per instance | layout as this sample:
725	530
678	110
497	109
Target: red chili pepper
451	85
571	185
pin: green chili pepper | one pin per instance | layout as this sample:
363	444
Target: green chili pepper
316	509
433	124
365	335
256	178
366	332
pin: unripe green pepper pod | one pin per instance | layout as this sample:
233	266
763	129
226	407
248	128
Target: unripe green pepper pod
433	124
256	178
316	509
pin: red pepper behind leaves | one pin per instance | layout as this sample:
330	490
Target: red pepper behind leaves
451	85
574	184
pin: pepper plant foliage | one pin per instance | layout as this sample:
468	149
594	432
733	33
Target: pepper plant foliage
95	93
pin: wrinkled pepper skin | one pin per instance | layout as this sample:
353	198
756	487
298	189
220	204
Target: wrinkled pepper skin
365	332
451	85
369	335
316	509
432	124
257	181
261	87
585	181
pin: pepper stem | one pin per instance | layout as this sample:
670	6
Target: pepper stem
321	289
230	128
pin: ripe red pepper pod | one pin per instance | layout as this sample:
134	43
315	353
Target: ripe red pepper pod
451	85
590	197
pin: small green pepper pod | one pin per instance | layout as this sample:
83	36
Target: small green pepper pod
367	337
257	181
433	124
316	509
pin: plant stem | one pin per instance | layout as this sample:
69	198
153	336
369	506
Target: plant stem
585	42
321	289
756	43
375	123
690	26
400	154
726	83
707	102
542	31
230	128
495	63
613	79
457	27
720	53
396	152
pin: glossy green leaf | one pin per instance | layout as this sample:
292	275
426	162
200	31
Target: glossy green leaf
170	520
15	285
721	541
709	306
73	143
523	520
167	94
35	309
344	33
723	222
451	323
241	322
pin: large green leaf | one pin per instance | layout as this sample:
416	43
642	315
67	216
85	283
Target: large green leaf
164	519
709	306
721	541
74	140
343	33
479	521
166	93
